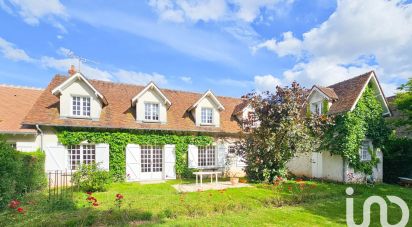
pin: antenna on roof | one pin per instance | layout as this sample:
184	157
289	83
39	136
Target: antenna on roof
80	59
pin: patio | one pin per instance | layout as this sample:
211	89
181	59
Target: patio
208	186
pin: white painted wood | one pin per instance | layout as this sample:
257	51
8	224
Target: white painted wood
132	162
222	151
102	155
193	156
26	146
169	161
56	158
240	162
317	165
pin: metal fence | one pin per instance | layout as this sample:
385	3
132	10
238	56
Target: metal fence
60	185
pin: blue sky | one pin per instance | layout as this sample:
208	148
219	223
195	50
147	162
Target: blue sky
228	46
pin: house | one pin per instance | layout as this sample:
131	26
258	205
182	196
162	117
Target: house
76	102
334	100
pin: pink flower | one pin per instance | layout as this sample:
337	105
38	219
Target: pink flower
14	204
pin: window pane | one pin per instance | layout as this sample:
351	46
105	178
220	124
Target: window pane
206	115
151	111
206	156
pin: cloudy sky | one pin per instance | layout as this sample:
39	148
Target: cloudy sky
229	46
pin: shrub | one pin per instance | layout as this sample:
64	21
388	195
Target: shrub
32	174
397	153
9	170
90	178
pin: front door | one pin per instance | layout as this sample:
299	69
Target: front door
317	165
151	162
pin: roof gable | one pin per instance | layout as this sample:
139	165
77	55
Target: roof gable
151	86
74	78
209	94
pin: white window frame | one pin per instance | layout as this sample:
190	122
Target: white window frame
205	116
151	158
209	158
84	157
152	114
82	114
317	108
364	154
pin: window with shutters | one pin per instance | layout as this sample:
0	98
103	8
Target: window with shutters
207	156
81	154
81	106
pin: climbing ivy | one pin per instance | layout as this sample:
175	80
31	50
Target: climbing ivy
119	140
351	128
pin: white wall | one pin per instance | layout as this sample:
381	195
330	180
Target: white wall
151	96
332	166
79	88
301	165
209	103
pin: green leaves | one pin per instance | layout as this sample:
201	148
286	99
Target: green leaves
119	140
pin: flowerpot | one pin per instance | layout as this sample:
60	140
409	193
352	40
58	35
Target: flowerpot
234	180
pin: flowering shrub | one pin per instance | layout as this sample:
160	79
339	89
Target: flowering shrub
91	178
119	200
91	200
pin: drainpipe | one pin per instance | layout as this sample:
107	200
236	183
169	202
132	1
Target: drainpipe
41	137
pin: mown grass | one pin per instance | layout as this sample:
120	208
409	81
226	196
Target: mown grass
161	204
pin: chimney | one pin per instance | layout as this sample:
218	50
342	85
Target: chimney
72	70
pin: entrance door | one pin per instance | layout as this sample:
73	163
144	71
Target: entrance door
317	165
151	162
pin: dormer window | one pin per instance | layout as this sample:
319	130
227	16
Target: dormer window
207	116
81	106
151	111
317	108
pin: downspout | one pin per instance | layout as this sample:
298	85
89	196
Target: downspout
41	137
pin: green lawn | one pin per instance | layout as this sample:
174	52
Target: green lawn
159	204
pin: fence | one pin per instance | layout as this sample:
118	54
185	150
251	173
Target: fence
60	185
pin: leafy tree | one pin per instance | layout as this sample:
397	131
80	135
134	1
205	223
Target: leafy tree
284	131
403	102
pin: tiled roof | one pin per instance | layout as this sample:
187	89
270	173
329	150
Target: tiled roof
347	92
15	103
119	113
328	92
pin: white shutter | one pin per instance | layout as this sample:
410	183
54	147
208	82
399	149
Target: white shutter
192	156
221	154
26	146
56	158
132	162
102	155
169	161
240	161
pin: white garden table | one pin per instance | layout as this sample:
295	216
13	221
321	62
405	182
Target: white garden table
210	173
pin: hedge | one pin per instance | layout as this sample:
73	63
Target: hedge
20	172
397	159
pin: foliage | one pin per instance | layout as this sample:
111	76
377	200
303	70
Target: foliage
20	172
403	102
9	171
351	128
119	140
397	153
32	175
284	131
90	178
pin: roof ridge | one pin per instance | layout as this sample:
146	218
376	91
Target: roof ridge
163	89
355	77
21	86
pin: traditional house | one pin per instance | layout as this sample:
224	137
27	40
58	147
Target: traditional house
30	117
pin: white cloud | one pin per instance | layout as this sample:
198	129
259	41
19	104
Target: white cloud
11	52
213	10
266	83
288	46
359	36
186	79
139	77
32	11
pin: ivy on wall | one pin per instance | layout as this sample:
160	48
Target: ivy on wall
119	140
351	128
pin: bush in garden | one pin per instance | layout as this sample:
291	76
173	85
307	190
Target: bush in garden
32	174
90	178
9	171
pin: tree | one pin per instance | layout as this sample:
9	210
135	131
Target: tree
284	131
403	102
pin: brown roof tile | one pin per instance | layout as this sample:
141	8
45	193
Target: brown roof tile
119	113
15	103
347	92
328	92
